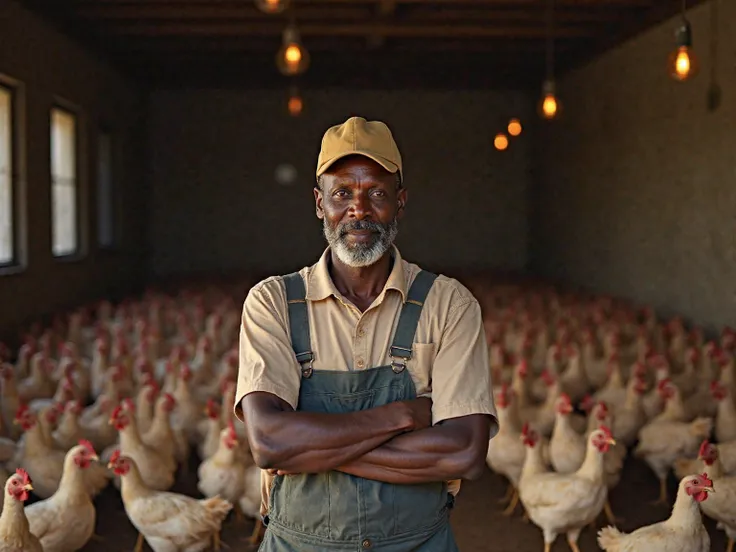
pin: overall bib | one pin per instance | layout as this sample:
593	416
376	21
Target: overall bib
338	511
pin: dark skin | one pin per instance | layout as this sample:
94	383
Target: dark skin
394	443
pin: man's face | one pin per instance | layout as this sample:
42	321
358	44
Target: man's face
360	206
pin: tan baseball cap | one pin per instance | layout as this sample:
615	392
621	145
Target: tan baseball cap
358	136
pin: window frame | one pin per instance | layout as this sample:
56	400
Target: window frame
19	262
80	159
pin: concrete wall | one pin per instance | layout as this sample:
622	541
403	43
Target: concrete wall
217	206
50	65
635	190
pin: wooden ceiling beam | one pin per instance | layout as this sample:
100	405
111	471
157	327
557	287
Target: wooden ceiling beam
417	15
342	29
592	4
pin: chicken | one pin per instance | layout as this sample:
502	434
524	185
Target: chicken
630	417
661	443
223	474
726	457
722	505
725	425
65	521
68	432
156	472
169	522
213	426
567	447
15	535
43	463
565	503
683	531
160	435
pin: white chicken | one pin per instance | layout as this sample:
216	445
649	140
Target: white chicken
722	505
683	531
15	535
661	443
169	522
565	503
65	521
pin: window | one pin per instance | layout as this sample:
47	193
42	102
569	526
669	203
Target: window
64	183
7	235
105	192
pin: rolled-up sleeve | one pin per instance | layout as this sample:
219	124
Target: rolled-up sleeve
461	378
266	361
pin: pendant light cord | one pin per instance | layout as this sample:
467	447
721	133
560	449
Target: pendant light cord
714	39
550	40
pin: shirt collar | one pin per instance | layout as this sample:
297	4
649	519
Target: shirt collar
320	285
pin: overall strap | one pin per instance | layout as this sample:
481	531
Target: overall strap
401	348
299	321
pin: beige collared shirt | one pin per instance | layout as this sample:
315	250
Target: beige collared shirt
449	361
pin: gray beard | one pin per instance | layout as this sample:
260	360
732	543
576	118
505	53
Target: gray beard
361	254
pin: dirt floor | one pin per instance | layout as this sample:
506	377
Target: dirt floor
478	525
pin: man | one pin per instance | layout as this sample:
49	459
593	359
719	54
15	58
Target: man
363	380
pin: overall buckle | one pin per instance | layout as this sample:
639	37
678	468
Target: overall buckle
398	363
397	366
307	372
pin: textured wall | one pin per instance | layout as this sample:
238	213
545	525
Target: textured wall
216	204
51	65
635	190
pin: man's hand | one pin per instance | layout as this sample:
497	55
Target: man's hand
421	412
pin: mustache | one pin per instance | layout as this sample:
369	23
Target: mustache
369	225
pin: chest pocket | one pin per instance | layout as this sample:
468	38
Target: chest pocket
420	367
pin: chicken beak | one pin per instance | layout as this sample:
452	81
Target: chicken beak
612	441
709	489
28	487
110	465
95	458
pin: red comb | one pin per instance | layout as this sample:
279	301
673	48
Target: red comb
86	444
24	474
116	411
606	430
115	456
703	447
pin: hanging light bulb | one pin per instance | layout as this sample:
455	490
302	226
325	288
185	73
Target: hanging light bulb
272	6
549	105
295	104
682	63
501	142
514	127
292	58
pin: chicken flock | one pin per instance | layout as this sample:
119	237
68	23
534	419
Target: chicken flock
125	395
580	383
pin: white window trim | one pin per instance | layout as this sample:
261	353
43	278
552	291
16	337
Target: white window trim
18	176
81	179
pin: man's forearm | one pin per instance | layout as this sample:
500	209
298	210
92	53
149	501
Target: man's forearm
310	442
440	453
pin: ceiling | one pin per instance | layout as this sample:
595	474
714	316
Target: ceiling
361	43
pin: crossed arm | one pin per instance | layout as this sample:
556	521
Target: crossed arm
394	443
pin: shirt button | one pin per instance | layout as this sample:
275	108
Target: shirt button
361	332
360	363
367	543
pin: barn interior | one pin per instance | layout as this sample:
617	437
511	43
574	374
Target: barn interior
570	161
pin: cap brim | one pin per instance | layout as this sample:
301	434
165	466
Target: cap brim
390	166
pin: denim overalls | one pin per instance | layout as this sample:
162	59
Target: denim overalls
338	511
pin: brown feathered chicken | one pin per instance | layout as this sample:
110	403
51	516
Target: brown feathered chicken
15	535
168	521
